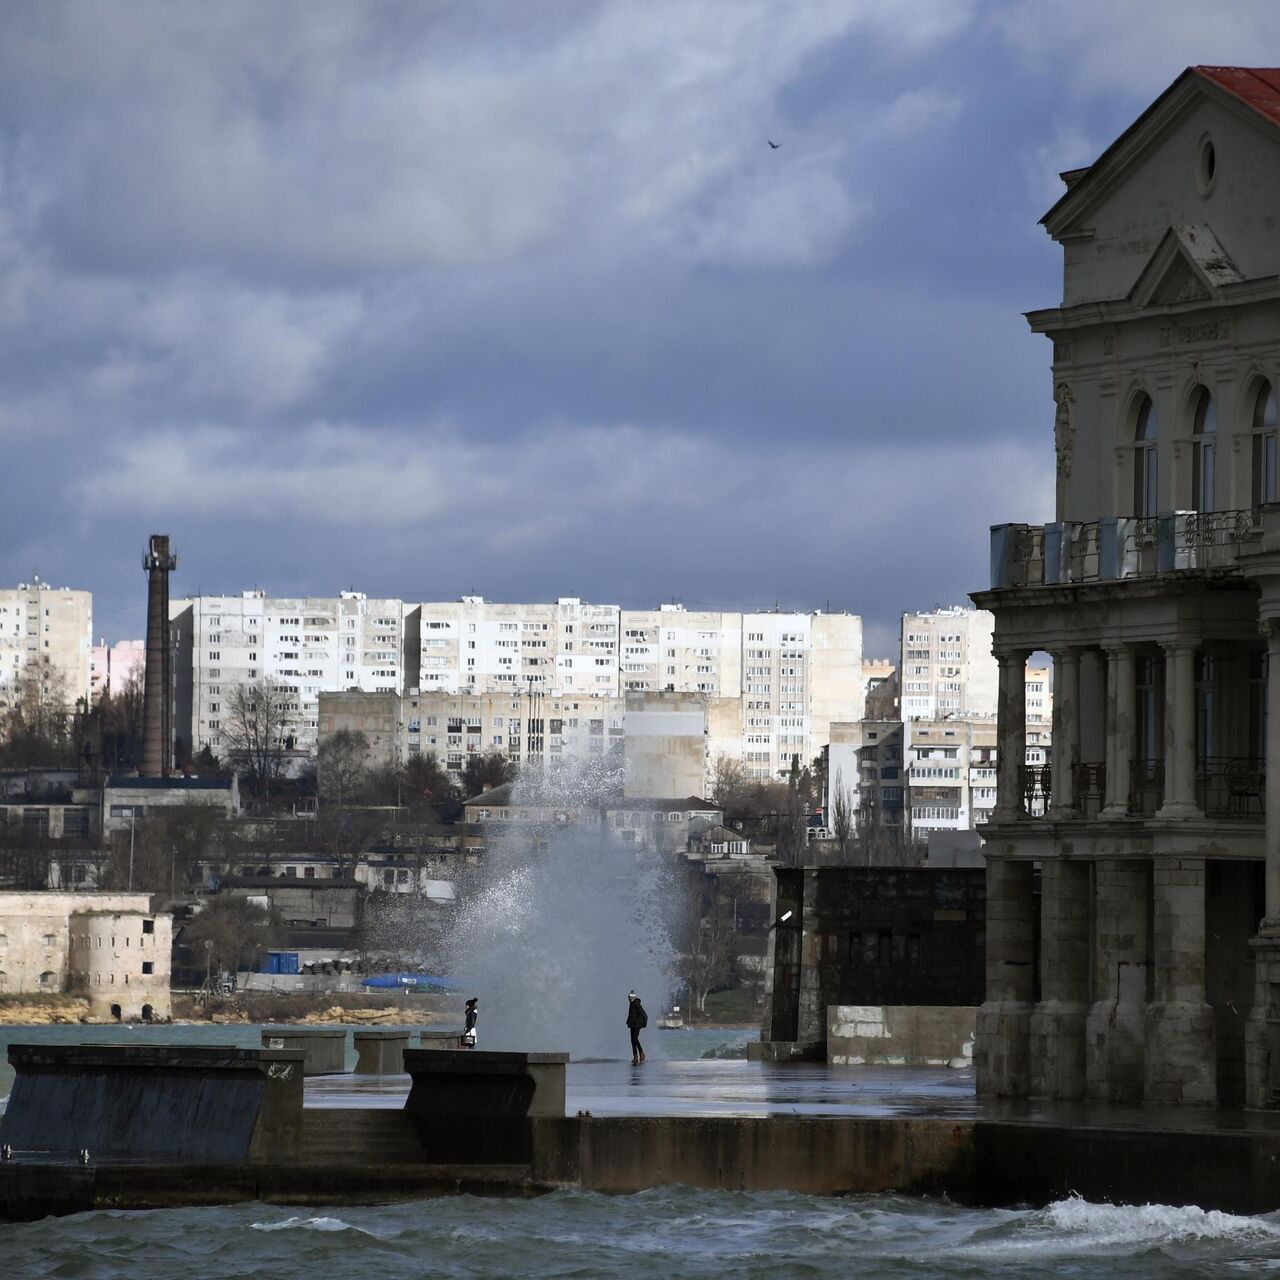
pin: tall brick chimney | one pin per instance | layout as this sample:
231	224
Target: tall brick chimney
157	716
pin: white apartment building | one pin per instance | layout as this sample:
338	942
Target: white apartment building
947	667
49	628
111	666
474	645
673	650
309	644
773	682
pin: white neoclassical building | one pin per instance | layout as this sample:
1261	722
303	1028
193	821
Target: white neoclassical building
1134	930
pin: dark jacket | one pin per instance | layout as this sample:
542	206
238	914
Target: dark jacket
636	1016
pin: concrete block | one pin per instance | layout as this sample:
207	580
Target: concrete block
381	1052
324	1049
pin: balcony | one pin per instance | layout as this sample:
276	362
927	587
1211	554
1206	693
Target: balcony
1230	787
1119	547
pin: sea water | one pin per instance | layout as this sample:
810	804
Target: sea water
668	1232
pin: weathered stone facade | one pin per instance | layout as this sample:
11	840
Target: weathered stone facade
1148	970
870	936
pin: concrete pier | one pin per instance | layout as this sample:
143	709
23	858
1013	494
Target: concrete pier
324	1049
194	1126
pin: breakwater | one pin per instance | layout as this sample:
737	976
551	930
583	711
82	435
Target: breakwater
150	1127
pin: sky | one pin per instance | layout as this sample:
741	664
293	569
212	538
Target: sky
515	299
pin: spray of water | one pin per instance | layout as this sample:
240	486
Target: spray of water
565	920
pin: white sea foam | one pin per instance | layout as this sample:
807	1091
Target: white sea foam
1075	1227
307	1224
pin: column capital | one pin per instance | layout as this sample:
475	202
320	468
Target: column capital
1269	629
1180	644
1012	654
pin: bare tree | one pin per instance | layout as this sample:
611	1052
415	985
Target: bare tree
342	765
842	818
236	929
728	778
258	728
37	721
709	952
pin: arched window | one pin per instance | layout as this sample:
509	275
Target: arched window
1145	479
1204	445
1264	445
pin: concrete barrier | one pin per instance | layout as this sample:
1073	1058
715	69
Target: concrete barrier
441	1039
380	1053
324	1049
476	1106
900	1035
189	1103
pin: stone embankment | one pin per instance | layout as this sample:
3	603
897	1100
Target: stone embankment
43	1013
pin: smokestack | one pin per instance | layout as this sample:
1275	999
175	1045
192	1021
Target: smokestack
157	727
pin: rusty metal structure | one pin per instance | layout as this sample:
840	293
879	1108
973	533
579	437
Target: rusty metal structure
157	705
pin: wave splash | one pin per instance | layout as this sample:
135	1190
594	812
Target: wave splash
1076	1227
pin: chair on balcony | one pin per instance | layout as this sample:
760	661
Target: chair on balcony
1246	784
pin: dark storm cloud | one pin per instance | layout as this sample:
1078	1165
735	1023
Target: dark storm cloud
515	299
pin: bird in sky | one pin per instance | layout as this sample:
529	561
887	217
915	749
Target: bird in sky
774	145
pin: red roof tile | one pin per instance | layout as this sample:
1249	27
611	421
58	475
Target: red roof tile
1259	87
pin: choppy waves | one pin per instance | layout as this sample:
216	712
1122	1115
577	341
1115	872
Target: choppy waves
667	1232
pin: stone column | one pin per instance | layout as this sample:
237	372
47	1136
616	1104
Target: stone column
1001	1043
1011	734
1057	1053
1262	1035
1066	732
1181	1053
1117	1018
1121	725
1179	732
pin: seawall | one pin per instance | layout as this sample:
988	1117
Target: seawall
147	1127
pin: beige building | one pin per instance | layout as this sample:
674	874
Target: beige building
48	630
107	947
1147	967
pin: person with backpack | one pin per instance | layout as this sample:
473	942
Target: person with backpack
636	1020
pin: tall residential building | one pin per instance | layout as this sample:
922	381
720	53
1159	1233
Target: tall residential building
309	645
773	682
474	645
49	630
111	665
947	667
1133	940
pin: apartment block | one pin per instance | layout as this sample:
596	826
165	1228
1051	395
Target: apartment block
49	629
112	665
946	664
308	644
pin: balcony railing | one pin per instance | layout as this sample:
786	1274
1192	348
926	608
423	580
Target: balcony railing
1037	789
1090	778
1027	555
1232	787
1226	787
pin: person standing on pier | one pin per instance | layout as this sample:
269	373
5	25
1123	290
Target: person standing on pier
469	1028
636	1020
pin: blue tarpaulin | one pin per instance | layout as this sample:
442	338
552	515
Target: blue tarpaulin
409	982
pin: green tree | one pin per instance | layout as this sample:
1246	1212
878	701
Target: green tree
484	772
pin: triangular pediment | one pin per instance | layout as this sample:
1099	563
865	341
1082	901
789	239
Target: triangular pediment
1188	265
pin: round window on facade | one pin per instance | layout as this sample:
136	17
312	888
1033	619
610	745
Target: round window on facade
1206	165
